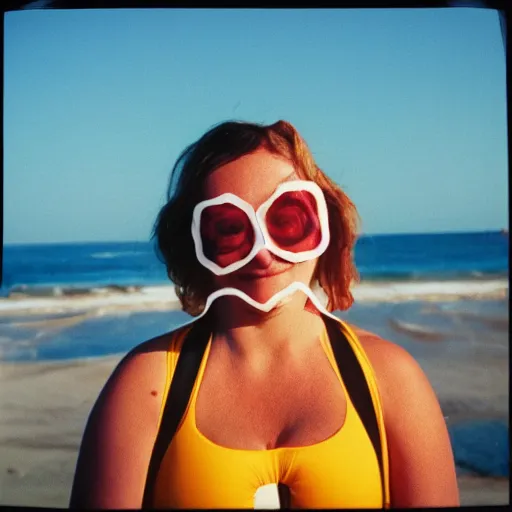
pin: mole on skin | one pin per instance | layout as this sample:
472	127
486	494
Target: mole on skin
154	393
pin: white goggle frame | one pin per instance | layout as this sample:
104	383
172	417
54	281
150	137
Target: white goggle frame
262	238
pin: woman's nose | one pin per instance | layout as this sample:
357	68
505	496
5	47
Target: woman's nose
263	259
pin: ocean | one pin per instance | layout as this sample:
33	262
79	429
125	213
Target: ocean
65	301
30	268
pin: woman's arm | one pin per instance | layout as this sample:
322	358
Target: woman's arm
120	433
422	468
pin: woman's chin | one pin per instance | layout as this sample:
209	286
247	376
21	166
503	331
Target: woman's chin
263	290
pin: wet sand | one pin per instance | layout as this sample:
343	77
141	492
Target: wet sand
44	407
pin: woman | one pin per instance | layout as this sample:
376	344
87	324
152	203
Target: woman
270	403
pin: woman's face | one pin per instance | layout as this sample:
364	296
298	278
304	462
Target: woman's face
254	178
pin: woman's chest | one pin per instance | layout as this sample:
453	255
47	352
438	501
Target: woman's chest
288	406
341	472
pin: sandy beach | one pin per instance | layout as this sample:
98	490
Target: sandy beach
44	407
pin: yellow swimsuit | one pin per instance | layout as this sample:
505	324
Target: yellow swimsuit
340	472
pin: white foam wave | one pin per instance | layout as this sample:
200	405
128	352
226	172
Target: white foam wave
104	255
119	254
164	297
431	290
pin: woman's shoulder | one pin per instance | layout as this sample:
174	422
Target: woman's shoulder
139	379
151	356
382	353
396	371
122	426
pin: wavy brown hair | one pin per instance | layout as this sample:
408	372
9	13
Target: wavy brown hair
223	144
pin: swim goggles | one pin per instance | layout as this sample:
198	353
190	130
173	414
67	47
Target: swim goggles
292	224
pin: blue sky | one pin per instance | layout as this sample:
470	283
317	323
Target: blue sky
406	109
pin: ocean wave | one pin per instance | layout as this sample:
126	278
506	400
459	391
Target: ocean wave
25	291
431	290
4	320
61	322
479	324
118	254
401	275
104	255
420	332
112	298
106	299
499	323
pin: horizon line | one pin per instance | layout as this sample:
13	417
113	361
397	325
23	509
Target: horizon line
362	235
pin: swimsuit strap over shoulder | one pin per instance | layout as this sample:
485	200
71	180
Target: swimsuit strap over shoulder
371	381
187	347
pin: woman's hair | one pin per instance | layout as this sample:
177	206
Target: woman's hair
223	144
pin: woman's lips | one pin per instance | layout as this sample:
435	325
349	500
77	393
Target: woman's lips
260	274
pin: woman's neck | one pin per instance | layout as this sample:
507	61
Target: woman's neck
253	335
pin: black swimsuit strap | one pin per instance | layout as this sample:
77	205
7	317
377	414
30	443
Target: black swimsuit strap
187	368
357	386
